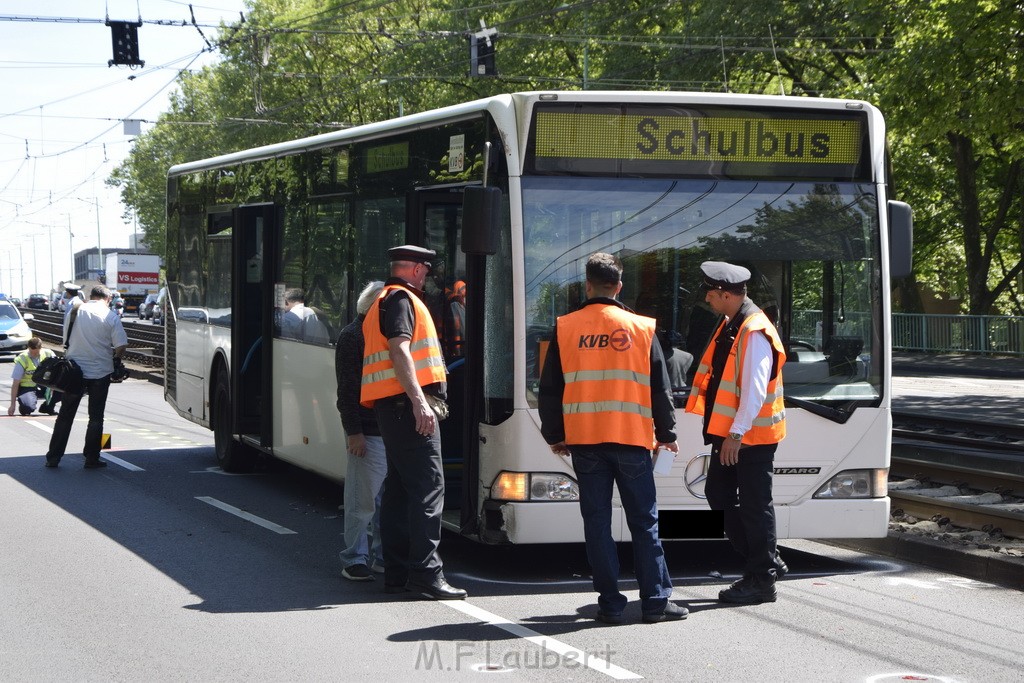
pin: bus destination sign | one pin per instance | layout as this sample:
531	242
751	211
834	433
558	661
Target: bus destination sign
698	142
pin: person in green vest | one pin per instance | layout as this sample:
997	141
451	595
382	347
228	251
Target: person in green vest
25	394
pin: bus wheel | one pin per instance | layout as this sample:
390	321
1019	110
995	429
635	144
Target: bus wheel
232	456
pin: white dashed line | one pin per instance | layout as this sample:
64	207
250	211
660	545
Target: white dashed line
123	463
567	652
40	425
245	515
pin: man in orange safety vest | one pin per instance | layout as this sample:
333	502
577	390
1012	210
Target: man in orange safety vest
738	391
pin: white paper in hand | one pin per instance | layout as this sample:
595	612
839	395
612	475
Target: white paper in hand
663	460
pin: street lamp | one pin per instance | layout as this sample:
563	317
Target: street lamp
99	249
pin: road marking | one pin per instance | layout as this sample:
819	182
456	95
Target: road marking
245	515
123	463
916	583
567	652
217	470
106	455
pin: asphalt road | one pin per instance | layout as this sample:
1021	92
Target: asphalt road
160	567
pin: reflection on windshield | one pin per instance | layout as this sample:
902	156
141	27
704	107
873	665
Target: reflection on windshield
812	249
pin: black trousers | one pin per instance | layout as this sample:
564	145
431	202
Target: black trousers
97	390
413	496
744	492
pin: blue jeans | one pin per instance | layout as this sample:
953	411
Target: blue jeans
97	390
363	484
631	470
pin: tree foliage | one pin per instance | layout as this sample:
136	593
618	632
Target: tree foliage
947	75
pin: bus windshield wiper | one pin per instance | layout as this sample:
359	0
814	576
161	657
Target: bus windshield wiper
839	415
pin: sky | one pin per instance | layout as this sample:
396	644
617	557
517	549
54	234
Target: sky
61	122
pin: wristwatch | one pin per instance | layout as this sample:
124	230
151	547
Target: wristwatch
735	436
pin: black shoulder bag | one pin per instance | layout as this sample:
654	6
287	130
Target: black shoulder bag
59	373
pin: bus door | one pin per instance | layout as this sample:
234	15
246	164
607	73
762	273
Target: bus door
252	306
435	221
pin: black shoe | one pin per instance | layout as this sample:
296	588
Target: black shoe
395	588
749	591
781	568
670	613
95	464
610	617
357	572
52	463
438	590
48	411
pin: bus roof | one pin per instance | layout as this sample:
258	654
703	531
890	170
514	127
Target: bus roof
521	101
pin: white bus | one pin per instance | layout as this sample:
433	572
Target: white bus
515	192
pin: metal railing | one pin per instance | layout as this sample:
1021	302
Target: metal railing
995	335
1001	335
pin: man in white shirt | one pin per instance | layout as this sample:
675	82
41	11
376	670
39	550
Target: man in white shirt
299	321
738	391
96	338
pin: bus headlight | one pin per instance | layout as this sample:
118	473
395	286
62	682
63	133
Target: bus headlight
856	484
535	487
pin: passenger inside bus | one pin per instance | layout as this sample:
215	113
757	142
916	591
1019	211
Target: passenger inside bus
300	321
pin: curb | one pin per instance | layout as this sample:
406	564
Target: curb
981	565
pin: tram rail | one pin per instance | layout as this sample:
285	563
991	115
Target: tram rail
981	464
145	343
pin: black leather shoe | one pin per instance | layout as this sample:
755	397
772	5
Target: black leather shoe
610	617
52	463
95	464
781	568
749	592
670	613
439	590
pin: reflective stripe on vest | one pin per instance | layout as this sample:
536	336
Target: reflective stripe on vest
379	378
606	364
769	426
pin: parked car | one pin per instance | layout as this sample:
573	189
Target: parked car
14	331
16	301
147	307
38	301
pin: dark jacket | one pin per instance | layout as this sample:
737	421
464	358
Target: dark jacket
348	367
552	386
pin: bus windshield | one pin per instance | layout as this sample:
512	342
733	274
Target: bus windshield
812	248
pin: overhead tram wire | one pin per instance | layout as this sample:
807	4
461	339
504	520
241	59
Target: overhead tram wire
120	81
102	133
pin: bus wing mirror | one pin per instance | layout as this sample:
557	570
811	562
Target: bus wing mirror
901	239
481	220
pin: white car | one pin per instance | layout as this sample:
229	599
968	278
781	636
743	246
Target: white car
14	331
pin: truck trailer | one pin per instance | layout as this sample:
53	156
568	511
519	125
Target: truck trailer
134	275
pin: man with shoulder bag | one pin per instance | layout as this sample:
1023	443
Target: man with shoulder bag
95	340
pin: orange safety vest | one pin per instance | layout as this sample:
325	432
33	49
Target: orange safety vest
606	364
770	424
379	379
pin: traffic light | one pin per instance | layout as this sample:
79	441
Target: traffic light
481	52
125	37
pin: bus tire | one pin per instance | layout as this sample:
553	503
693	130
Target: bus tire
232	456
